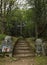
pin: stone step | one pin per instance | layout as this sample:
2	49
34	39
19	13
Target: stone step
23	55
23	51
22	43
19	45
22	48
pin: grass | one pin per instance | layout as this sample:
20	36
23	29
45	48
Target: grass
31	43
41	60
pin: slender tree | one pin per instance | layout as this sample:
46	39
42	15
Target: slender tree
39	15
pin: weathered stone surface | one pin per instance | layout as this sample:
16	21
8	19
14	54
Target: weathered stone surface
38	41
38	46
21	49
7	44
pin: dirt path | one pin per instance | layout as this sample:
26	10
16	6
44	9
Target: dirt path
23	61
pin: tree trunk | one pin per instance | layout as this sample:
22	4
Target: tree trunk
36	31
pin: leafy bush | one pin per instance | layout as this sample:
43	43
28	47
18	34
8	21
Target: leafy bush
2	36
31	43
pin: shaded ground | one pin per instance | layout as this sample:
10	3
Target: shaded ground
21	62
24	61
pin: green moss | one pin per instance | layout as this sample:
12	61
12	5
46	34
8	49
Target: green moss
31	43
41	60
2	36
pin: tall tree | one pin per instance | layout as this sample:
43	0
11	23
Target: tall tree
39	15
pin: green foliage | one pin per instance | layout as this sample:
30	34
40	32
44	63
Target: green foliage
31	43
41	60
39	16
34	18
2	36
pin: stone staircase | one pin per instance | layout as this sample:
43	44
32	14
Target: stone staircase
22	49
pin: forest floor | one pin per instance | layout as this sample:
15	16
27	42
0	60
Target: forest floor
24	61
